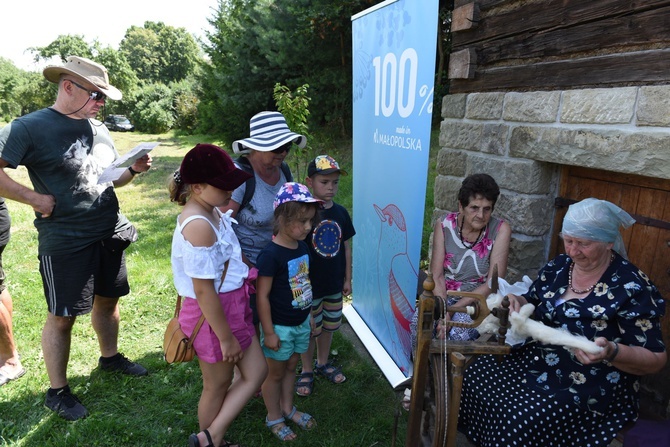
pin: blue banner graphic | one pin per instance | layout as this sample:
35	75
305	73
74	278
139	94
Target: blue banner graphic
394	52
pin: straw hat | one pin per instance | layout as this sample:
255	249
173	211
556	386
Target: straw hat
86	69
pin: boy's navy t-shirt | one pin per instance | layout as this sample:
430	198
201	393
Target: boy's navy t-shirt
326	249
291	292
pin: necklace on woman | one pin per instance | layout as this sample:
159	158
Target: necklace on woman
465	243
580	292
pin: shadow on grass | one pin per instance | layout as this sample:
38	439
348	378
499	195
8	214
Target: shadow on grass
161	409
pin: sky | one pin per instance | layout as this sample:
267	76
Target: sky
37	23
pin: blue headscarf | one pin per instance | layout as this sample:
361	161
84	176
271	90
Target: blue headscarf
597	220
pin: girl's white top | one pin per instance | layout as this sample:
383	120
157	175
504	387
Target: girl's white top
207	262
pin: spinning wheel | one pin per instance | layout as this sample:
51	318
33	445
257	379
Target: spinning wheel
433	414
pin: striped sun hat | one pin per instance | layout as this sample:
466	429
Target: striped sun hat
268	131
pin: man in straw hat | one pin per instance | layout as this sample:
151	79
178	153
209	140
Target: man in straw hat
81	232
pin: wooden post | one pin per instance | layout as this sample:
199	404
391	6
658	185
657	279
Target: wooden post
424	336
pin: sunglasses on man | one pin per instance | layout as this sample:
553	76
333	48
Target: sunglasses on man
93	94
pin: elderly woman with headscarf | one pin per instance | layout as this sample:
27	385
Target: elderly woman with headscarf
550	395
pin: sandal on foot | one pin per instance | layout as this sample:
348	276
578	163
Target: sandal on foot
305	421
305	380
279	428
194	442
330	372
6	378
228	444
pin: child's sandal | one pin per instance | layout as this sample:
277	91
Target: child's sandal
306	381
330	372
279	428
306	421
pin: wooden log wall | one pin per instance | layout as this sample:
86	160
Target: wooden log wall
526	45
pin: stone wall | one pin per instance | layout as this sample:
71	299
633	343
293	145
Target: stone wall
522	139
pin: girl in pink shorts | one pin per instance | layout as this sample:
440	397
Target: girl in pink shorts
209	273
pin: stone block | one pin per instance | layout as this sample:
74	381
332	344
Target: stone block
479	137
523	176
653	106
438	214
638	153
526	255
445	193
485	106
528	215
514	275
453	106
451	162
532	107
599	105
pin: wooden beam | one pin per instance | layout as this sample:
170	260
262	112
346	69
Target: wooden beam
465	17
616	34
462	64
635	68
550	15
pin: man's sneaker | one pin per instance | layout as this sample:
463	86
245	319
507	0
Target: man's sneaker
65	404
120	363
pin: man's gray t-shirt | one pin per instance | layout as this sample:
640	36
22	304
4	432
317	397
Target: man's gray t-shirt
256	220
64	158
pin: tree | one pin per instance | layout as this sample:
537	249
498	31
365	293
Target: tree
139	46
234	88
65	45
292	42
10	81
121	76
35	92
160	53
22	91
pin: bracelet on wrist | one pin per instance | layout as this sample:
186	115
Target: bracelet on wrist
133	172
614	353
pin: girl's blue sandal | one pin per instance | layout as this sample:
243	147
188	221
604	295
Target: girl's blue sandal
282	433
306	421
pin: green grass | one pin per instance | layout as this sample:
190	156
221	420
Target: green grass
161	409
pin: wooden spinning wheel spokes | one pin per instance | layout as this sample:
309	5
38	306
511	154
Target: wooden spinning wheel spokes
448	360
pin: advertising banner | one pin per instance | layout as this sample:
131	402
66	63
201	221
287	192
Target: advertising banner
394	52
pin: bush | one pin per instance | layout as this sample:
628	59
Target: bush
185	106
153	111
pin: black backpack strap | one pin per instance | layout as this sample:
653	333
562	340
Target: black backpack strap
250	185
287	171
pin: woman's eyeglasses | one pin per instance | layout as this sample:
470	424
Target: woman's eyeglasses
285	148
94	95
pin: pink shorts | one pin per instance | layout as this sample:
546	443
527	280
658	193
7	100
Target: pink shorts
235	305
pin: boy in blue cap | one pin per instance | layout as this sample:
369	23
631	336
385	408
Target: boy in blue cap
330	272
